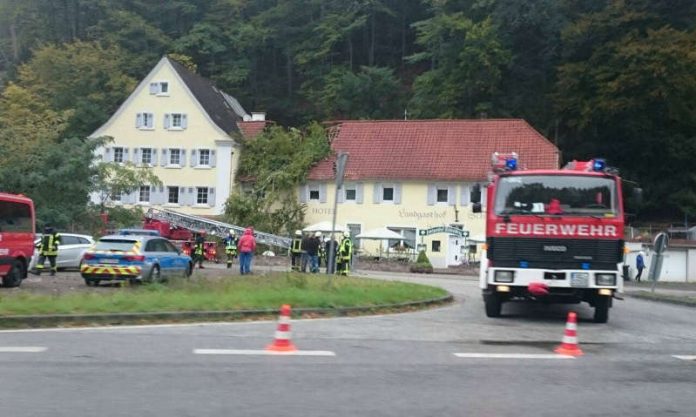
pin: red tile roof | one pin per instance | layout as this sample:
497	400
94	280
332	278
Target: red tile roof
251	129
449	150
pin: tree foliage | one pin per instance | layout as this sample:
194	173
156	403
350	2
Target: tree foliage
608	77
272	165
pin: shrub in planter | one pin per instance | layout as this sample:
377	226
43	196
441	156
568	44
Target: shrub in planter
422	265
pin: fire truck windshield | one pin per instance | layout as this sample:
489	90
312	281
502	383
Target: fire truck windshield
573	195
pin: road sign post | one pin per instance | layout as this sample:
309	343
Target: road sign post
659	246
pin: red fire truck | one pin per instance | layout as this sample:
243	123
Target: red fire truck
183	237
16	237
553	236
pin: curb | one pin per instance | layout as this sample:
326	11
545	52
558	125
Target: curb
645	295
56	320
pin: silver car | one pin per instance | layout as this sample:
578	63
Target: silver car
70	250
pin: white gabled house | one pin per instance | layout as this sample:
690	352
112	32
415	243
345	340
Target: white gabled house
184	128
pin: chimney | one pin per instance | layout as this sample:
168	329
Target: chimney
258	116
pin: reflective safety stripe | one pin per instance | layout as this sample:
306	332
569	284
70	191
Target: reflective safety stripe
282	335
112	270
571	340
571	326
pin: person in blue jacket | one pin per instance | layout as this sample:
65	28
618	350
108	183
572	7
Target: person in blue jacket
640	265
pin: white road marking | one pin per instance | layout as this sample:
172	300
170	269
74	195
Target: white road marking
685	357
22	349
511	356
262	352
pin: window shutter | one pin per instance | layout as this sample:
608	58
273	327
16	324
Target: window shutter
154	157
377	193
136	156
184	121
132	197
194	161
167	120
451	195
190	196
182	157
151	120
484	198
304	190
432	194
359	193
213	158
138	120
397	193
465	195
211	196
322	193
156	194
182	191
125	155
164	161
154	88
108	155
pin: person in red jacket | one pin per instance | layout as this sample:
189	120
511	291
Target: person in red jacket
246	247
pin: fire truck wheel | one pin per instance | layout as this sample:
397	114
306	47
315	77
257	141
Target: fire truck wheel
14	277
601	310
493	305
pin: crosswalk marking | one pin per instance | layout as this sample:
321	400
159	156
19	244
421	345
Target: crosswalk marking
262	352
511	356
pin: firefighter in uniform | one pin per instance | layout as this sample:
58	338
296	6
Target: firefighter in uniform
230	248
199	250
345	253
322	250
48	248
296	251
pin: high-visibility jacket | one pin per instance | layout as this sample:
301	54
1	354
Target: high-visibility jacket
49	244
198	249
230	245
296	245
345	249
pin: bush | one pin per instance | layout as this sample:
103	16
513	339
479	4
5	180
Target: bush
422	265
422	268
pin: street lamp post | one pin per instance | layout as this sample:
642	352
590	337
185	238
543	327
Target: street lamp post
339	171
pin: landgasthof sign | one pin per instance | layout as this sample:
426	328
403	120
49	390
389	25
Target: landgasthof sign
444	229
569	230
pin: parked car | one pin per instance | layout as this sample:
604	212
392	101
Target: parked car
72	247
134	258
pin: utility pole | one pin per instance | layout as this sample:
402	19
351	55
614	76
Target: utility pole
339	171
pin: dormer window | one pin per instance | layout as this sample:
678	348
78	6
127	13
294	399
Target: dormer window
160	88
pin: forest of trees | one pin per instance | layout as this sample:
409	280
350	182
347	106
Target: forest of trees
612	78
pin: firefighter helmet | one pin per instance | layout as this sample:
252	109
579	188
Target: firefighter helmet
346	234
317	234
231	232
298	233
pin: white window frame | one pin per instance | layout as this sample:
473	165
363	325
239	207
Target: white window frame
171	153
142	156
178	196
123	154
206	194
439	188
144	189
200	158
352	188
314	188
156	88
172	125
384	187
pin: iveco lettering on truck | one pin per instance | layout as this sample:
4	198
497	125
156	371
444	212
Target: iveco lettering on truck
16	238
553	236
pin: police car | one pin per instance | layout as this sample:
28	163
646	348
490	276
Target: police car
134	258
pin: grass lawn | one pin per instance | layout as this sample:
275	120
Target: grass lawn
224	294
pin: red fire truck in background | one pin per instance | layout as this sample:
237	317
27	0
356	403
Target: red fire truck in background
553	236
181	236
17	220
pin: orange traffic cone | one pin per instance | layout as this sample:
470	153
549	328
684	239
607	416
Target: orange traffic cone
282	341
569	345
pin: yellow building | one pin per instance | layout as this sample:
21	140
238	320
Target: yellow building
415	177
182	126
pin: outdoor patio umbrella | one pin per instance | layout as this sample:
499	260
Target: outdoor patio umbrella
325	227
381	233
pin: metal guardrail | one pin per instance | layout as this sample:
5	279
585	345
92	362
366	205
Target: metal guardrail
213	227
